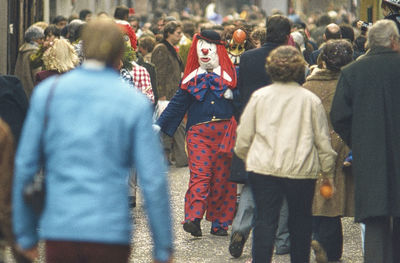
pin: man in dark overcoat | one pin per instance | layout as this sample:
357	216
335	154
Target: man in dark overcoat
366	114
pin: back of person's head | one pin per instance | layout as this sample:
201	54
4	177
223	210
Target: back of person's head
259	34
286	64
43	25
121	12
332	31
324	20
103	41
188	28
278	29
359	43
52	30
59	19
382	33
74	30
33	33
170	28
84	13
336	54
61	56
147	43
347	32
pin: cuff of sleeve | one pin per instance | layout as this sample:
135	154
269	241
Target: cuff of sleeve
163	255
27	242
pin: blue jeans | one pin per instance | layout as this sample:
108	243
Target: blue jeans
269	192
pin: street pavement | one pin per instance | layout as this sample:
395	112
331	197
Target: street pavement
210	248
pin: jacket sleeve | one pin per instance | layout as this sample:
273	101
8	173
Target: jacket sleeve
175	111
246	130
322	140
27	163
149	161
342	110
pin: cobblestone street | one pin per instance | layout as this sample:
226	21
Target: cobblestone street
211	248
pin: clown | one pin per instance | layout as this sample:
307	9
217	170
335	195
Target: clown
206	93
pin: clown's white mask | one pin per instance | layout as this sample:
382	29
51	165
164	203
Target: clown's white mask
207	53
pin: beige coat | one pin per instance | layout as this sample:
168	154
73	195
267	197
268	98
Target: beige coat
168	71
284	132
323	84
23	69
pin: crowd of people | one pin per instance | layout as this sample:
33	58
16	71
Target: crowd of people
286	123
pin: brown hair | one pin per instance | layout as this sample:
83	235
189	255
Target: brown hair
147	42
336	54
170	28
103	41
286	64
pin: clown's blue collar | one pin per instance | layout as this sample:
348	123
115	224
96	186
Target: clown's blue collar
199	71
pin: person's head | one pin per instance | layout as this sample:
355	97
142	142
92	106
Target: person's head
278	29
85	15
347	32
336	53
146	44
121	13
172	32
160	24
43	25
259	36
383	33
390	7
52	32
286	64
61	56
332	31
102	14
34	34
188	28
74	30
103	41
60	22
134	22
359	43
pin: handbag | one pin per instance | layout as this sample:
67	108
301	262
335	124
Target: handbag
34	192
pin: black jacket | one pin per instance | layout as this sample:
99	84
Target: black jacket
13	104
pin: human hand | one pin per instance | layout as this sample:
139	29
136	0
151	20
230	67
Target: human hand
31	253
228	94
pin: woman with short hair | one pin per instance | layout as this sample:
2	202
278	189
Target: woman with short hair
283	137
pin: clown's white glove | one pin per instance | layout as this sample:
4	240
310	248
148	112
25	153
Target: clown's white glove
156	128
228	94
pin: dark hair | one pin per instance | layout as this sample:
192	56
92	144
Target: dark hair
336	54
170	28
359	43
335	34
53	30
188	28
83	13
278	29
286	64
259	33
347	32
121	12
133	18
59	19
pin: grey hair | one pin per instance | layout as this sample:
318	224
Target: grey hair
33	33
382	33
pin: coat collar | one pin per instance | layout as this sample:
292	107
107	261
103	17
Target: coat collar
380	50
323	74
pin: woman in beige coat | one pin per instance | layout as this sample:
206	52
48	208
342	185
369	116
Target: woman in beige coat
327	226
283	137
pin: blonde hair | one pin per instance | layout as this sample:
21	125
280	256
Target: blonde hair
41	24
61	56
103	41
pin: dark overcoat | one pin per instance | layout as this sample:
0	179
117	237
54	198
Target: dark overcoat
366	114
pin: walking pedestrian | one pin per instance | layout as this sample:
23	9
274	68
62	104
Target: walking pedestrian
90	129
365	115
283	136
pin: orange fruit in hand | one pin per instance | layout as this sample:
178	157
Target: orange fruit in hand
326	190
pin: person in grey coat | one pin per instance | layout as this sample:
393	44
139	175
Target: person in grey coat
365	113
